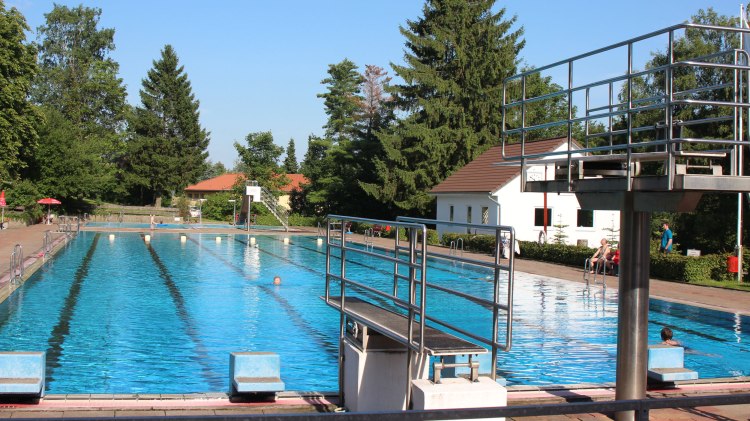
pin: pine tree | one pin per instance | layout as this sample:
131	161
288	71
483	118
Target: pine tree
560	236
342	100
333	179
290	161
18	117
458	54
167	149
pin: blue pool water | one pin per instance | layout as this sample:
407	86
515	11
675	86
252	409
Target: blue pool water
124	317
179	226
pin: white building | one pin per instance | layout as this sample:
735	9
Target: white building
487	193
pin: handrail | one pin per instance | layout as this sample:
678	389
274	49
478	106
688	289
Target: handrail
278	211
16	264
665	100
496	266
414	309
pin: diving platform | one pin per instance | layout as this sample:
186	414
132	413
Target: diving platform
642	137
388	340
395	326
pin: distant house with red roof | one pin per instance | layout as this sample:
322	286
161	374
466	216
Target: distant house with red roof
483	192
226	182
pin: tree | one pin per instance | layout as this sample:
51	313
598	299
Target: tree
167	146
18	118
559	237
260	160
213	170
333	183
83	97
342	101
290	162
457	56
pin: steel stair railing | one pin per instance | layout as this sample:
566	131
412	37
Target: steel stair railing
278	211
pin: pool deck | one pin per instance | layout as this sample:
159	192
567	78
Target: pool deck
217	404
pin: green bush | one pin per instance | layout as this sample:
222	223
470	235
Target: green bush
218	207
298	220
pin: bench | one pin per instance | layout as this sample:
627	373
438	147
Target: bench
22	373
254	372
666	364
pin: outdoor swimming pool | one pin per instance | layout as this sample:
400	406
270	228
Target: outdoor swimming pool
124	317
179	226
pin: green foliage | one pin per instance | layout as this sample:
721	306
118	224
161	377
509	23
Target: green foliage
213	170
66	167
24	193
297	220
218	207
457	56
559	236
556	253
167	146
84	103
260	160
341	101
183	208
290	161
18	118
480	243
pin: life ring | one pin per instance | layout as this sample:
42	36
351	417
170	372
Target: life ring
542	238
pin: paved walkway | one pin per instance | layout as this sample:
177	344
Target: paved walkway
32	240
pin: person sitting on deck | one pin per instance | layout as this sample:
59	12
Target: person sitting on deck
666	337
600	254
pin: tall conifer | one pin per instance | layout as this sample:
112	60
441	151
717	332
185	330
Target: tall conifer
167	149
457	56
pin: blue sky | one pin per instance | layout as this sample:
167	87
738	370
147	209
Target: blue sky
257	65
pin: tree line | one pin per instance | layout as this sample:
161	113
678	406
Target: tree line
67	130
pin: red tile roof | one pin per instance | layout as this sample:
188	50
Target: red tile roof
225	182
295	182
482	175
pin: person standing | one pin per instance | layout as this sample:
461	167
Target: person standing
666	239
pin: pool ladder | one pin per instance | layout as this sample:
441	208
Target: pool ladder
601	266
369	237
16	264
456	246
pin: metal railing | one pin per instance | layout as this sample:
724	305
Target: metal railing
69	224
456	246
729	93
46	244
591	273
16	264
415	309
498	267
278	211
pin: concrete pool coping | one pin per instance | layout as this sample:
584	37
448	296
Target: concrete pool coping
218	404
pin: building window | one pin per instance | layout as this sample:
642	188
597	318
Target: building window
539	217
485	215
585	218
450	214
468	214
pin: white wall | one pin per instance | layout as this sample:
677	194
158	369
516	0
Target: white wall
517	210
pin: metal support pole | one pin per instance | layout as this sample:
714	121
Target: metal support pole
632	320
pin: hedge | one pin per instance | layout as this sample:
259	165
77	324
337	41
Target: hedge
676	267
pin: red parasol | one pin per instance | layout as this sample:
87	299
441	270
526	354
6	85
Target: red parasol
2	205
48	201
